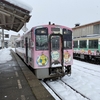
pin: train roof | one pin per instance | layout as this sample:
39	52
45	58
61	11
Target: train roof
46	25
94	36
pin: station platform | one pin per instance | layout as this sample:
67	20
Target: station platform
17	82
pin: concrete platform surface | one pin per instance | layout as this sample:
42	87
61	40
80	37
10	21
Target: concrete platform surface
17	82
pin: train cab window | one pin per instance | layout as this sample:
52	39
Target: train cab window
67	36
75	44
41	35
83	44
55	43
93	44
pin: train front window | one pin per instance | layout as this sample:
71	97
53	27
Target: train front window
67	36
55	43
41	39
41	42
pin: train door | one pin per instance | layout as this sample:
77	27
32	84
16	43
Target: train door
56	50
26	49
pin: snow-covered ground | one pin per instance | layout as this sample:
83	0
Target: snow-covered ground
85	78
5	55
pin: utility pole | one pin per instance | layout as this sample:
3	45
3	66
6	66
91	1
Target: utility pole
2	38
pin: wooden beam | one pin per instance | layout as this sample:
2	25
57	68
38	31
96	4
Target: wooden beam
12	21
11	13
20	26
3	21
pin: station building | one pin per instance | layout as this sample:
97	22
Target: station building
12	40
86	30
6	40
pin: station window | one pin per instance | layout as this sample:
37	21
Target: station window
93	44
6	35
82	44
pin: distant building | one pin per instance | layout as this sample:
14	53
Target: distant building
12	40
6	40
88	29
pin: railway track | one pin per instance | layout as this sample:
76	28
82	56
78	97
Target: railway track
88	61
87	69
75	90
65	88
54	94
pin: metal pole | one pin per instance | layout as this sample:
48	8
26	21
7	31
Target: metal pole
2	38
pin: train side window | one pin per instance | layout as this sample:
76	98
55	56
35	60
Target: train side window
75	44
93	44
83	44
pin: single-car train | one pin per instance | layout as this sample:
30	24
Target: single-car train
47	49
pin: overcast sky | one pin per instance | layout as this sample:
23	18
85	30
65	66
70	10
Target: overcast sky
64	12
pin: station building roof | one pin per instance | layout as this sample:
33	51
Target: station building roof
82	26
12	16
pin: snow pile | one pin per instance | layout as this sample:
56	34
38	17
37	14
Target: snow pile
5	55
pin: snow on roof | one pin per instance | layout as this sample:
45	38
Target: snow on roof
20	4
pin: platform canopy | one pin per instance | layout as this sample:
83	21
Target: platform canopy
13	16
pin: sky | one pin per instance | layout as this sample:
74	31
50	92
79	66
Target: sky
63	12
85	78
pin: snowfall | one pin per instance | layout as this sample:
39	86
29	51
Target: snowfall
85	78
